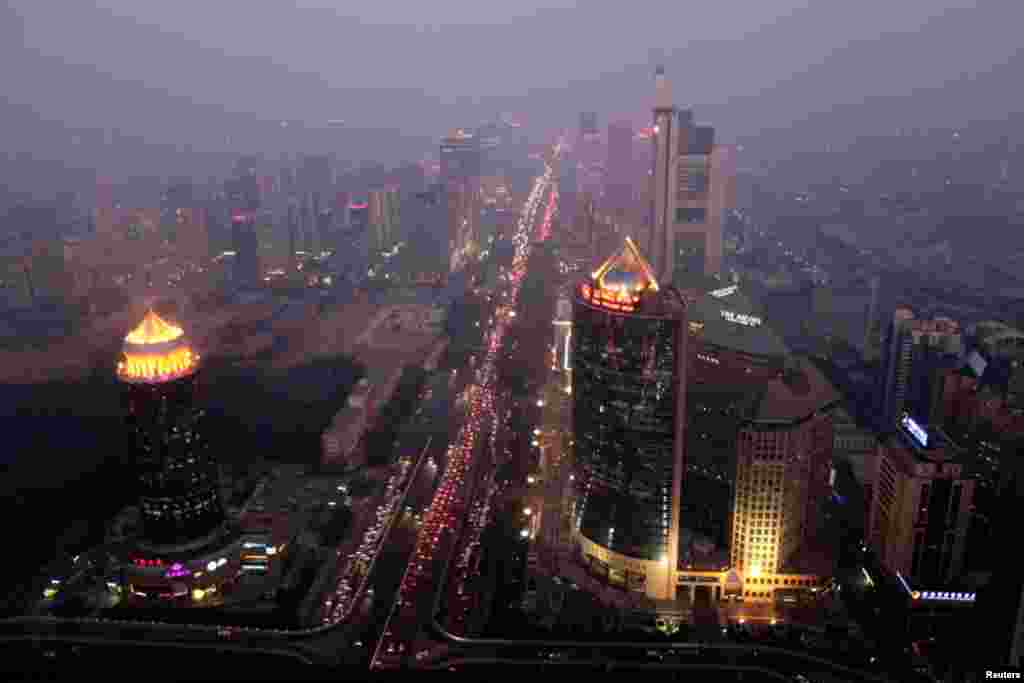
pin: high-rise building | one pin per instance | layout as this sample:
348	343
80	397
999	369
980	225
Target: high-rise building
693	180
589	155
620	178
460	157
179	483
921	506
245	242
384	217
588	122
914	354
784	459
460	179
628	386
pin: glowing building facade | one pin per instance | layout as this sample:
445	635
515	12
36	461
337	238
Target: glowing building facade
628	354
179	487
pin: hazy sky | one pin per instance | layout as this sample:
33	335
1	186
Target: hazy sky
426	66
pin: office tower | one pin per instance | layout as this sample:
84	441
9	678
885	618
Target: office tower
588	123
384	217
460	179
305	221
179	487
921	506
589	154
871	320
463	223
693	180
628	388
914	354
359	215
293	233
245	243
620	177
784	459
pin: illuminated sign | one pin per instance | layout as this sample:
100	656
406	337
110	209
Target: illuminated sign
565	354
742	319
708	359
944	596
724	291
915	430
177	570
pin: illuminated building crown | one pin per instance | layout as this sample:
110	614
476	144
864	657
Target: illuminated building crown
621	280
156	351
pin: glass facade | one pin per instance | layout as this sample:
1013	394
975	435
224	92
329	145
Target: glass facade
179	496
625	389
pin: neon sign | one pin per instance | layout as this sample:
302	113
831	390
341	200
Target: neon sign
944	596
742	319
177	570
724	291
915	430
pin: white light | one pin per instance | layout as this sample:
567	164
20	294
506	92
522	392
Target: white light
524	533
527	511
211	565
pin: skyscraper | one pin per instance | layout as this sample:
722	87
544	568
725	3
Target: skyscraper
693	180
619	172
179	485
460	179
628	386
914	354
784	457
245	243
921	506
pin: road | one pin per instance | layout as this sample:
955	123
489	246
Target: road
405	630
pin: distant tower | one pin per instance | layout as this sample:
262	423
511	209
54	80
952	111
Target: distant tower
871	318
693	180
179	495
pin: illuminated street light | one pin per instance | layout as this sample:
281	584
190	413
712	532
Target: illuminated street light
536	432
525	533
527	511
531	480
540	403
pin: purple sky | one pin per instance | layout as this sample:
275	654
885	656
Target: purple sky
425	66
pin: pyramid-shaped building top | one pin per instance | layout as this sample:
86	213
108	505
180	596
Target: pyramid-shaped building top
153	330
156	351
627	270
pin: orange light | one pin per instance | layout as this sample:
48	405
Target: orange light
173	364
153	330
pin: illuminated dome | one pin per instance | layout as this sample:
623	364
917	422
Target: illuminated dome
156	351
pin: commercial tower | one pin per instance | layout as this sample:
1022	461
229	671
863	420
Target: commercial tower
460	179
915	352
693	185
179	487
628	385
620	180
921	506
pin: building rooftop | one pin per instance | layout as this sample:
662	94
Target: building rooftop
801	392
156	351
733	322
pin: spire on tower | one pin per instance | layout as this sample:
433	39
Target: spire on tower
662	89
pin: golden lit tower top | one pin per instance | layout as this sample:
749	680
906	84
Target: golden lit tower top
156	351
621	280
